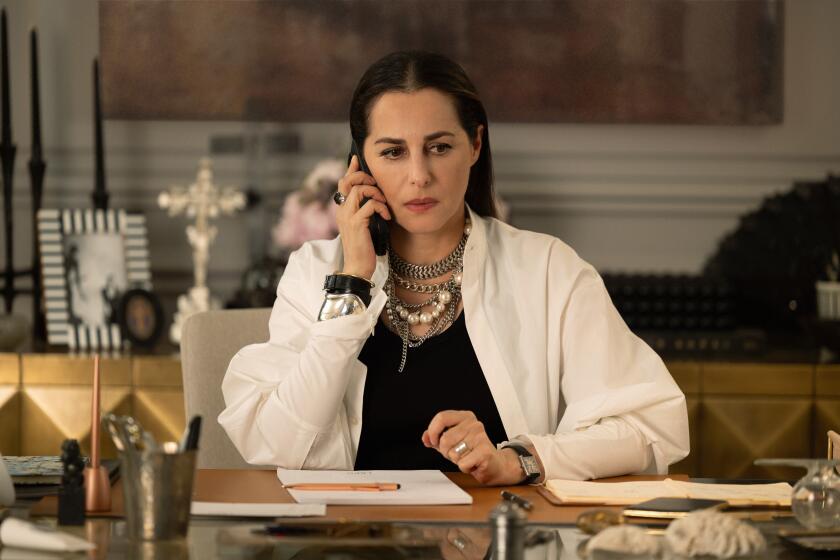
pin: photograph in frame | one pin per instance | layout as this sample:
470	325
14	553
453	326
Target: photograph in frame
89	259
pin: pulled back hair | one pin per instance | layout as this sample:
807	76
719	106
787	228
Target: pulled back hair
408	71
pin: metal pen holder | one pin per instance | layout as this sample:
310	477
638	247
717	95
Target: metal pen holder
157	493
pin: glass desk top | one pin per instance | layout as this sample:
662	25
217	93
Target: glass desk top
232	539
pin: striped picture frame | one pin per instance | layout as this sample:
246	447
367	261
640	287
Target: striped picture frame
88	259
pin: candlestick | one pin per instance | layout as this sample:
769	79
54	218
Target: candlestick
100	194
97	484
7	112
37	169
7	159
36	97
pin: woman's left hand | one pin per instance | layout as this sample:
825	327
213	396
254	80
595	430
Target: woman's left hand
480	458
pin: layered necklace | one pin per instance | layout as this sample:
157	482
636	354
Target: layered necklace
439	307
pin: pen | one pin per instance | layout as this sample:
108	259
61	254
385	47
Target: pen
346	487
191	434
518	500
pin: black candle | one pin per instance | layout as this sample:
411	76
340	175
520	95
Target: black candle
7	158
7	113
37	169
100	196
36	97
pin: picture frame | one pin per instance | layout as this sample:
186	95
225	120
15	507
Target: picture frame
89	258
140	316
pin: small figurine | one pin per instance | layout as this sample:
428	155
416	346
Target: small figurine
71	495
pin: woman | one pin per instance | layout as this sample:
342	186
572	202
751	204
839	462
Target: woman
471	346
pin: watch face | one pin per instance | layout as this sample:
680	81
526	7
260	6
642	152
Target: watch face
529	465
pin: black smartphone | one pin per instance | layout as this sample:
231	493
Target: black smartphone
378	226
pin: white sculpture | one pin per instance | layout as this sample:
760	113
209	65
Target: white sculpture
625	539
202	200
713	533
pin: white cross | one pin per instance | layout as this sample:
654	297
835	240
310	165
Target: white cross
202	200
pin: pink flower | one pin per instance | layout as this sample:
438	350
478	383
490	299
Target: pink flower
300	223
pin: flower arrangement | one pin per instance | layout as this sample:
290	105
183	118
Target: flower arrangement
309	213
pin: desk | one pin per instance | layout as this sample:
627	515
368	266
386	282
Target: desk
445	526
262	486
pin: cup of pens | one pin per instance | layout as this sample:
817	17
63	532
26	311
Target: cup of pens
157	478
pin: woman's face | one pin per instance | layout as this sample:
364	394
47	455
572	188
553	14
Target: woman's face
420	157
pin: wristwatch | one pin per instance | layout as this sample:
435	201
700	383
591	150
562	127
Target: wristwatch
529	463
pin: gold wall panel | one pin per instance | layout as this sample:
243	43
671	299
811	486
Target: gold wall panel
160	411
736	431
826	417
10	419
9	369
828	381
51	414
691	464
758	379
737	412
156	371
62	369
687	376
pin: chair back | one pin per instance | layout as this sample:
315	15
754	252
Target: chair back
209	340
833	445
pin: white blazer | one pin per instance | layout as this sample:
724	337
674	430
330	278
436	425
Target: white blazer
566	373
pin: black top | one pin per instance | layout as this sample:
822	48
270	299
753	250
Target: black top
442	374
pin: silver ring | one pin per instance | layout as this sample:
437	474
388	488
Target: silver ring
339	198
460	543
461	449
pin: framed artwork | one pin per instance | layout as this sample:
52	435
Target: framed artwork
716	62
89	259
140	316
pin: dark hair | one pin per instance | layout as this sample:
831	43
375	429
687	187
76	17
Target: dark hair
407	71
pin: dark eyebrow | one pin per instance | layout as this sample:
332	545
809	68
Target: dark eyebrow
432	136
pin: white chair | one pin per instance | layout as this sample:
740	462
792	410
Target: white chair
7	489
833	445
208	342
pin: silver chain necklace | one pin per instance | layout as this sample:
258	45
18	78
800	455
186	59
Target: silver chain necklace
443	303
428	271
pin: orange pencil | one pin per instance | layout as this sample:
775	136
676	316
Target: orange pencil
346	487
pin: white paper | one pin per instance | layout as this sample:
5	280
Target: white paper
222	509
416	488
23	534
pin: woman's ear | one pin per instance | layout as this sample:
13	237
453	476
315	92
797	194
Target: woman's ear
476	144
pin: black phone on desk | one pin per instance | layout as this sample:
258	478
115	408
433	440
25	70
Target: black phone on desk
378	226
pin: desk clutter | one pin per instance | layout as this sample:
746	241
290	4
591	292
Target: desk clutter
157	478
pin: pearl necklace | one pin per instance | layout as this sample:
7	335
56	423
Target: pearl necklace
442	304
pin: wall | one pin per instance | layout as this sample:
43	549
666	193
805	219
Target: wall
630	198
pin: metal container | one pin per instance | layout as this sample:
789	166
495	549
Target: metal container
508	522
157	493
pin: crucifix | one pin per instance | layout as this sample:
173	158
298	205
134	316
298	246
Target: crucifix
202	200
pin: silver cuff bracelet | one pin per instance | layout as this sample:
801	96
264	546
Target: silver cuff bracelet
339	305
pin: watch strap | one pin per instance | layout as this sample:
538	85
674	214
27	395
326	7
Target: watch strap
347	284
523	452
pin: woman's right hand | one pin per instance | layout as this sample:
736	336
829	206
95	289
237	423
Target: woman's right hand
353	218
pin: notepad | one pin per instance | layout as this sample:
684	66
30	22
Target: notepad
224	509
421	487
574	492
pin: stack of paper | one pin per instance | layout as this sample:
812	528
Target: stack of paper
574	492
416	488
224	509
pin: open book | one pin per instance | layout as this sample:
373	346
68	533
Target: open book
573	492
